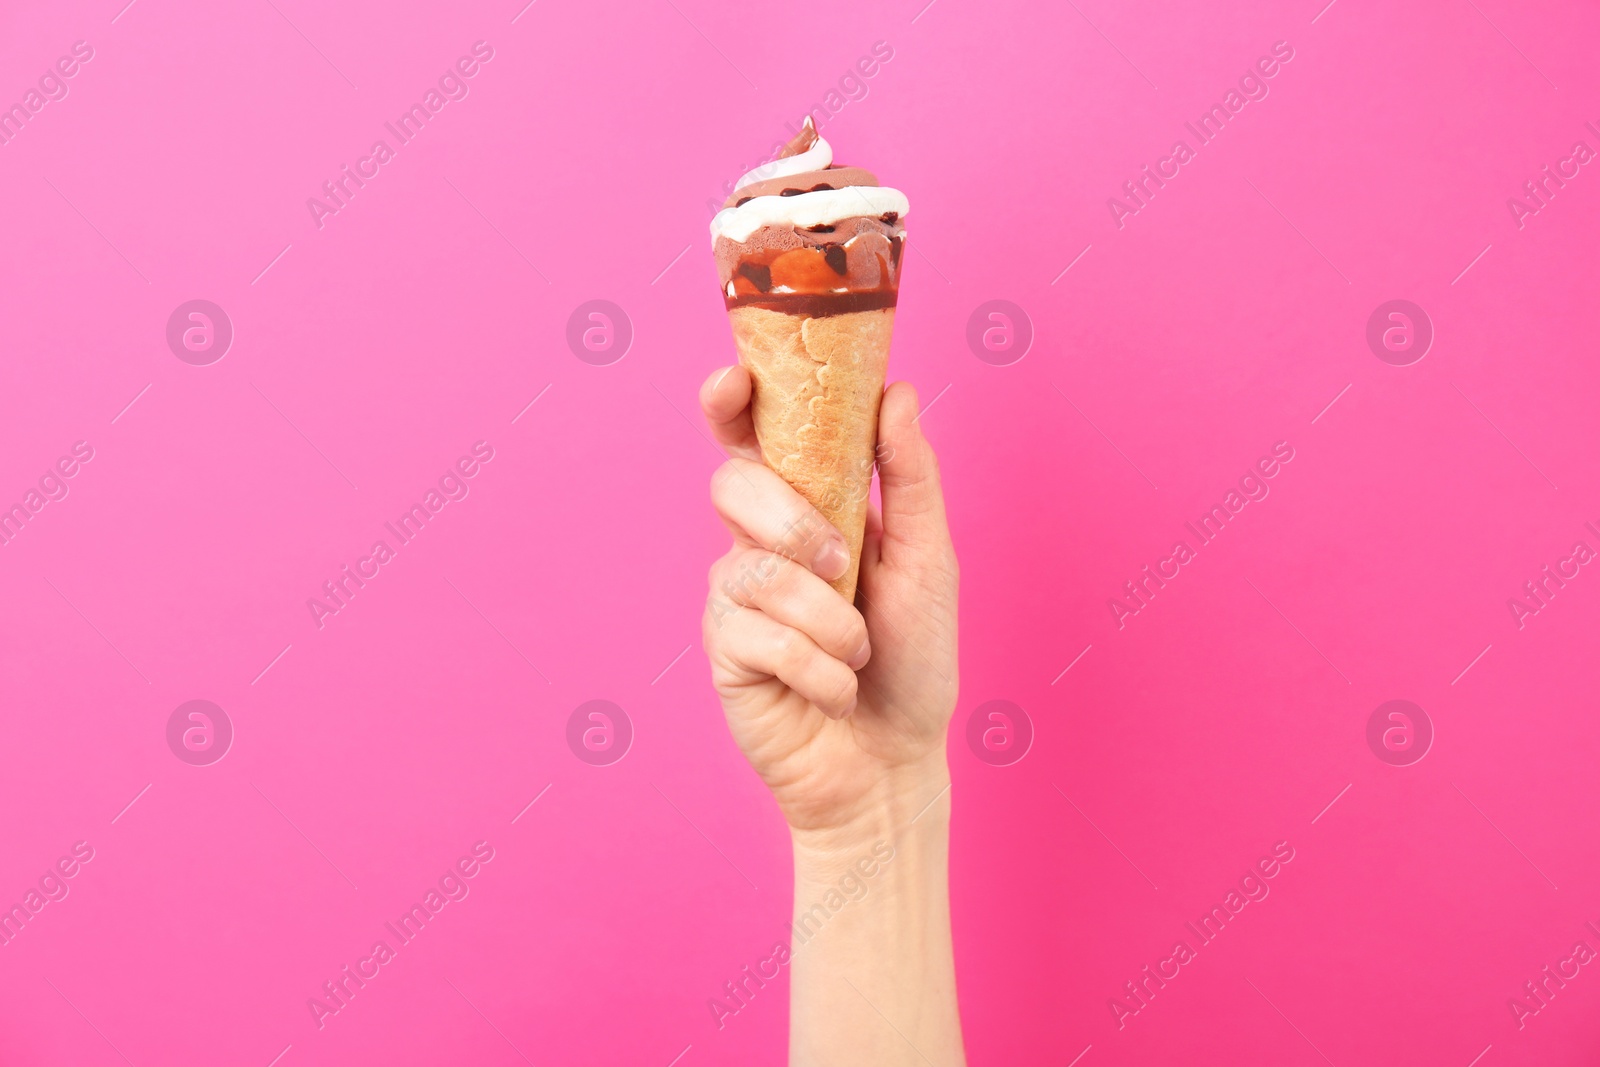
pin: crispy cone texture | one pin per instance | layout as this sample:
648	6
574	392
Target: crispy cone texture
818	383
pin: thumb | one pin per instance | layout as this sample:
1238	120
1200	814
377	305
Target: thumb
908	474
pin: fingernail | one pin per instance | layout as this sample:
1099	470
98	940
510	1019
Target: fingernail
863	654
833	559
851	709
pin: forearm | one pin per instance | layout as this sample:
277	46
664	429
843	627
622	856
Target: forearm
872	971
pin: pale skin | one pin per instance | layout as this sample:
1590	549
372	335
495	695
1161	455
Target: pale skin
842	710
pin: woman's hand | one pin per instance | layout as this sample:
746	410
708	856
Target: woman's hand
842	712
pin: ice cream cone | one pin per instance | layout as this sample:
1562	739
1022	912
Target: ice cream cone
809	255
817	386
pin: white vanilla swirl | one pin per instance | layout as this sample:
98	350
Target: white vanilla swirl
818	157
817	207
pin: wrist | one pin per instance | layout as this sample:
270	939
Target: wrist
910	798
872	967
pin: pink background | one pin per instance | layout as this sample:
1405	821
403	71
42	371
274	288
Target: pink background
370	353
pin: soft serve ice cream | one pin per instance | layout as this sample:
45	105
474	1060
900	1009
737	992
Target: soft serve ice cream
807	237
808	256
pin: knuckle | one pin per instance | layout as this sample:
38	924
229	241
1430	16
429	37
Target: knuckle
797	527
788	647
745	578
844	689
853	632
778	578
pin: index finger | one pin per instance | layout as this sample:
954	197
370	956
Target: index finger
725	400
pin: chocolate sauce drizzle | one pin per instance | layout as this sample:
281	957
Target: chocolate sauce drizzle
816	305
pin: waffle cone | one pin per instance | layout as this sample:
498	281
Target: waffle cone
817	386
